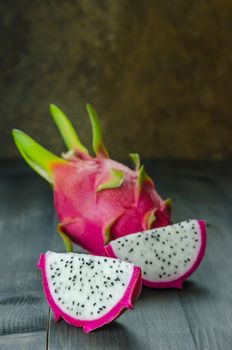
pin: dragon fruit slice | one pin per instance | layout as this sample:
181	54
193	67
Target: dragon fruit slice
167	256
88	291
96	198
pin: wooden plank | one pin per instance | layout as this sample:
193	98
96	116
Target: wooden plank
206	299
25	208
25	341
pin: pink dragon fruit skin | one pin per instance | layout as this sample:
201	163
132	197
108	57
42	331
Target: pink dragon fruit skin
96	198
127	301
92	218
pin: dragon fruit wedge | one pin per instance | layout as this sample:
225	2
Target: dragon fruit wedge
88	291
97	199
167	256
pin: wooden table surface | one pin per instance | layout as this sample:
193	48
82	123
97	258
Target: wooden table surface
197	317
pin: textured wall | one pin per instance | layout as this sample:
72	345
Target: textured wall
158	72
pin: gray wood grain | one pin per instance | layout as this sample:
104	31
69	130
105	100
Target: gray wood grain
198	317
24	341
25	207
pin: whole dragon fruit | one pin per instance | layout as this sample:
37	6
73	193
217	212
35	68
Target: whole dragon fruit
96	198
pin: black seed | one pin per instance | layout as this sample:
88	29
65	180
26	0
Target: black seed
131	250
146	262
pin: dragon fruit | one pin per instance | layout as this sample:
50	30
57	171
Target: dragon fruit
96	198
167	256
88	291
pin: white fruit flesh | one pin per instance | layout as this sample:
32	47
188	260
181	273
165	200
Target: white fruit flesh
86	287
164	254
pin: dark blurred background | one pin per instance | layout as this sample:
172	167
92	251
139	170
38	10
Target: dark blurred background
158	73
